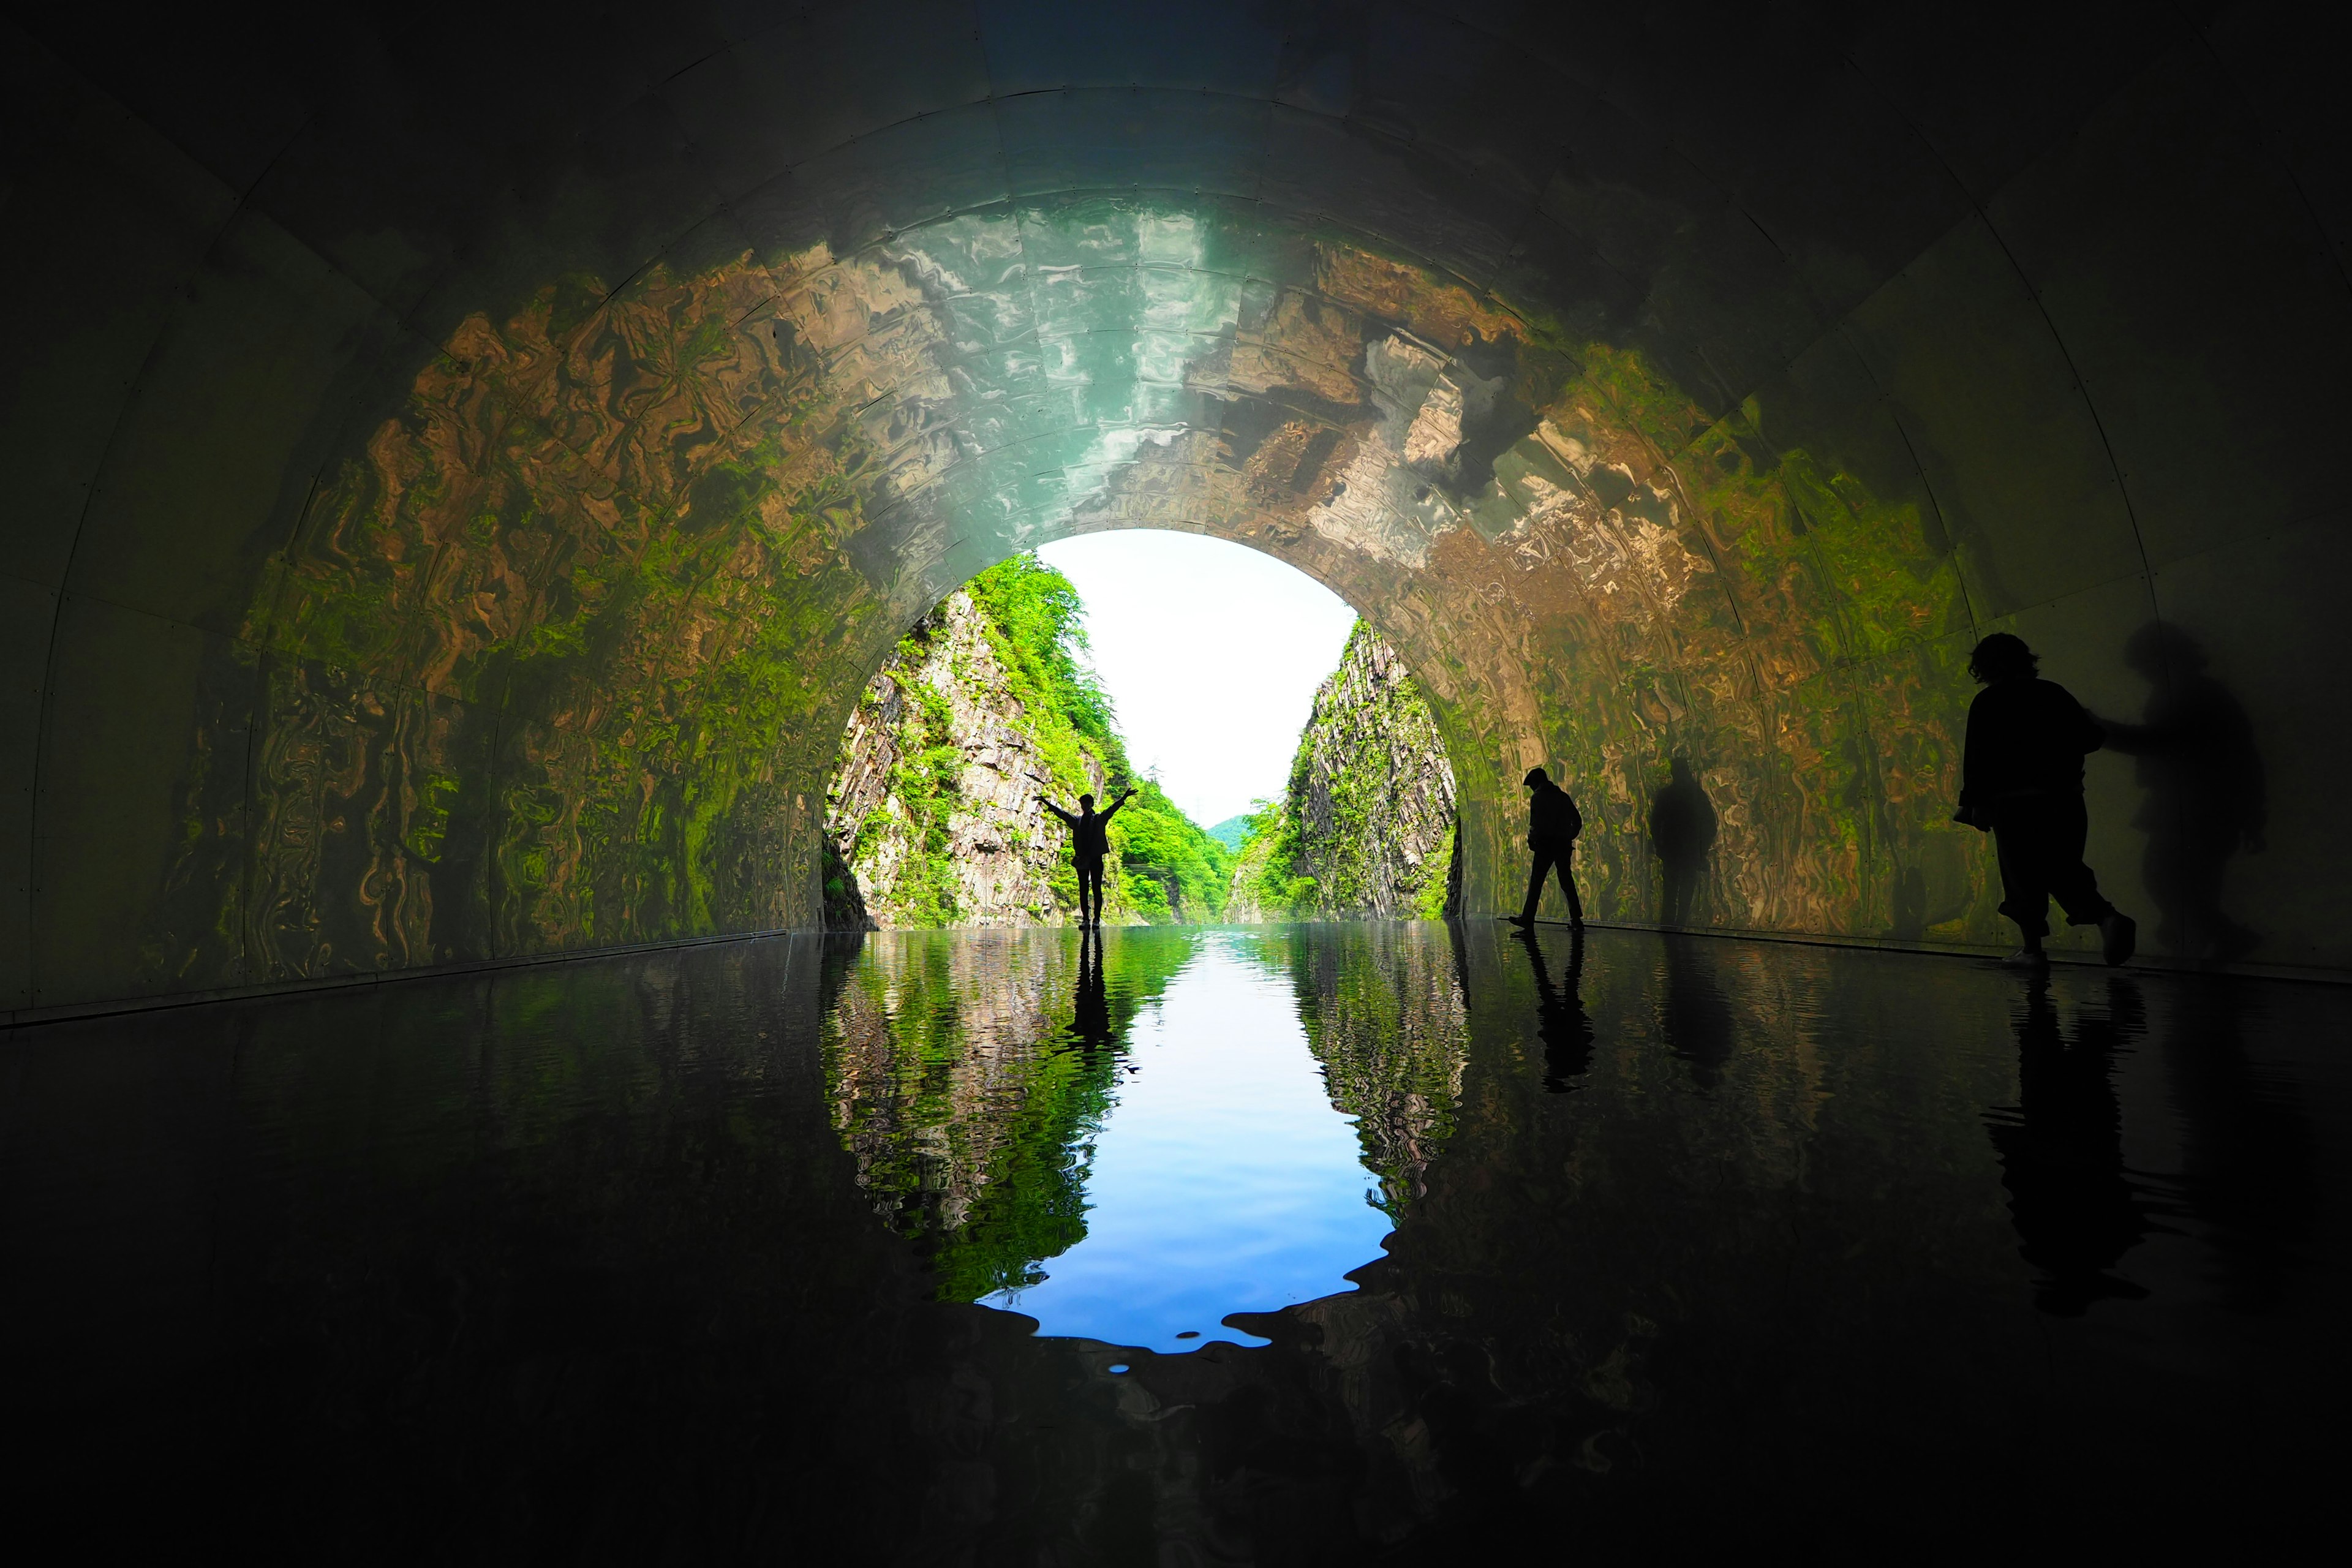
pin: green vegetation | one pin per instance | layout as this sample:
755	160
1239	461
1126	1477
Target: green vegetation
1369	786
1169	870
1232	831
981	1152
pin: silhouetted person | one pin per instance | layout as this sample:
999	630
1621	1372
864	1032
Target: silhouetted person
1696	1018
1553	823
1090	1028
1682	831
2022	780
1089	843
1560	1021
2205	791
2062	1151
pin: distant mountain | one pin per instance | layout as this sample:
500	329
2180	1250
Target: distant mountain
1231	832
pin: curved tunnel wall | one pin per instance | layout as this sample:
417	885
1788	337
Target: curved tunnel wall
452	517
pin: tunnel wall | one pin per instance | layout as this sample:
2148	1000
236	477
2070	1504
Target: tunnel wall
330	651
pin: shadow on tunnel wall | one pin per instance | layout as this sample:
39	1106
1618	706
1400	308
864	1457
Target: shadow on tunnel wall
2204	799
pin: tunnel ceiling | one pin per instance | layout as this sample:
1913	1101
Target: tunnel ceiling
471	460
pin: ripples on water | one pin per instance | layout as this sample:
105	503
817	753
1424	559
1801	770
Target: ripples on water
740	1248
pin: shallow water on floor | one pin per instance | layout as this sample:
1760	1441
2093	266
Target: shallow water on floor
747	1248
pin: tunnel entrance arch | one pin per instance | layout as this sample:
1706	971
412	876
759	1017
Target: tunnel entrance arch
558	659
1026	684
423	574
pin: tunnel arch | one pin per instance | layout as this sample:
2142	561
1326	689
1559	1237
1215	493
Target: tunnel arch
1896	334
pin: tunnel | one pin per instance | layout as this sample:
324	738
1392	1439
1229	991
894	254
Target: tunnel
468	459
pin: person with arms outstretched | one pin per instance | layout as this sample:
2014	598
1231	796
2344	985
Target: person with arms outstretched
2021	781
1553	823
1089	843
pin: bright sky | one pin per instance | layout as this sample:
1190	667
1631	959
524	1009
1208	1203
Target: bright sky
1212	653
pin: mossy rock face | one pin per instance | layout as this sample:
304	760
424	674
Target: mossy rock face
983	711
1367	826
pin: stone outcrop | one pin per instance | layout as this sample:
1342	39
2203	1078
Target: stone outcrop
1367	824
932	817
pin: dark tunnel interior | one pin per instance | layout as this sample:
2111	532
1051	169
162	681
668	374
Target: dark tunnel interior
468	460
465	461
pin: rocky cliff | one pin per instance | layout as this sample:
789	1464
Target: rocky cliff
933	817
1366	826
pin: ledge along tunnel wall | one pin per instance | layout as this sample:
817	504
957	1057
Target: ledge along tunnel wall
453	508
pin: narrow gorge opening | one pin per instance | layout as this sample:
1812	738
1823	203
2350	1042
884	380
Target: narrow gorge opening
1283	762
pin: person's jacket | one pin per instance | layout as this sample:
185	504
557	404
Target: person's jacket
1553	821
1088	840
2026	738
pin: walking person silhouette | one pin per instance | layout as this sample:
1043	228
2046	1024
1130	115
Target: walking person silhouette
1553	823
1089	843
2021	781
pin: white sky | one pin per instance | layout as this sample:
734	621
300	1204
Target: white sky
1212	653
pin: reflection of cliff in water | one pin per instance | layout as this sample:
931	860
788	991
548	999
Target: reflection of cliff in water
1384	1015
961	1082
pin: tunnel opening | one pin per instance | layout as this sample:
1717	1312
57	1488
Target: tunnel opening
1276	758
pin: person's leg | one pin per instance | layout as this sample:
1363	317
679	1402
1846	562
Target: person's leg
1677	907
2074	885
1568	885
2020	844
1535	875
1090	891
2077	886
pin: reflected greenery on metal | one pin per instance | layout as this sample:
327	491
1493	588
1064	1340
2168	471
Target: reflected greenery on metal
562	658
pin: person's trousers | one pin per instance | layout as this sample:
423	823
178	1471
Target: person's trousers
1545	860
1091	880
2039	840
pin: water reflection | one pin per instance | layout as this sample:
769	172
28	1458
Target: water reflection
676	1256
1181	1149
2060	1147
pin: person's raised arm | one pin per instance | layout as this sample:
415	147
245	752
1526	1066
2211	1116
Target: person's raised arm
1122	800
1069	817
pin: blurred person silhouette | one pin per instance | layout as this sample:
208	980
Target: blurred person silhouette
1560	1020
1695	1018
2022	780
2062	1153
1553	823
1681	832
2205	794
1089	843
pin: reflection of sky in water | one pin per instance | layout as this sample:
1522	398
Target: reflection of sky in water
1222	1180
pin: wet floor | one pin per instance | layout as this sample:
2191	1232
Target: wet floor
1336	1243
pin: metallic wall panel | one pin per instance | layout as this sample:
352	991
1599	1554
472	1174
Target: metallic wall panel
138	217
142	834
203	479
28	617
2209	413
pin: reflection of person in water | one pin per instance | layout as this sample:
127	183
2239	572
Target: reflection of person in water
1090	1028
1695	1019
1553	823
1089	843
2061	1151
1682	831
2205	795
1560	1021
2022	780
